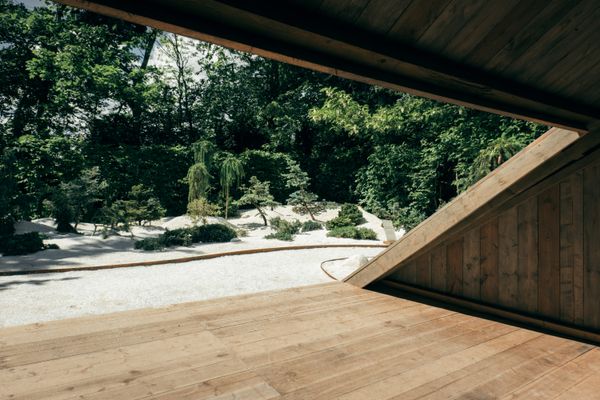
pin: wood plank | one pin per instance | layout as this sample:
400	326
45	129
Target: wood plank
571	249
416	19
560	380
369	346
489	262
438	269
508	259
549	252
406	380
380	15
591	255
471	277
468	382
528	255
487	21
453	19
424	270
454	272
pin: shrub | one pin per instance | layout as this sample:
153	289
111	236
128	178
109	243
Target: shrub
352	232
26	243
200	209
288	237
212	233
149	244
353	213
338	222
281	225
308	226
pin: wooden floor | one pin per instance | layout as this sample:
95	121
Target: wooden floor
330	341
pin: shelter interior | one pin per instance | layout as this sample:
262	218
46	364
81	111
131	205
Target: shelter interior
520	245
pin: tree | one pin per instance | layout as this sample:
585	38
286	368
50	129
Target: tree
231	172
258	196
74	200
304	202
200	209
142	206
198	175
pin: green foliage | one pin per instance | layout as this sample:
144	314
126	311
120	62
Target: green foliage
75	200
77	92
282	225
269	167
258	195
230	175
338	222
304	202
142	207
198	179
200	209
284	230
25	243
349	215
285	236
353	232
308	226
211	233
353	213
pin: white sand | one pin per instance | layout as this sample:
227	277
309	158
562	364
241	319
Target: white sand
87	250
37	298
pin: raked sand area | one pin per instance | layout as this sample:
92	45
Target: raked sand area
84	250
49	296
27	299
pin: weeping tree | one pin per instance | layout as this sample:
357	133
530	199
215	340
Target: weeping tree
231	172
198	176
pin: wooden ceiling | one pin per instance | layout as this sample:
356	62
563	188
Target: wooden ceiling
532	59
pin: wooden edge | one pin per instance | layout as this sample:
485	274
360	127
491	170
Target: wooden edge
189	259
500	185
527	320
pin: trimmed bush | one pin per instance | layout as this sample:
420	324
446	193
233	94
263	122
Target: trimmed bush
308	226
16	245
281	225
338	222
212	233
353	213
285	230
352	232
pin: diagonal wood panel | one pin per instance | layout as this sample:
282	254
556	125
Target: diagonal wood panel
552	150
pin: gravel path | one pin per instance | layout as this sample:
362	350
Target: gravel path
37	298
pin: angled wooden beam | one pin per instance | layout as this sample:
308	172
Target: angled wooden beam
289	33
552	151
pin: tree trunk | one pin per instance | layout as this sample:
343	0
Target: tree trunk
262	214
226	202
309	212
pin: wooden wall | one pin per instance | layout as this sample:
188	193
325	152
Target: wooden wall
538	254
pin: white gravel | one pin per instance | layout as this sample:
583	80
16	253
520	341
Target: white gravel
28	299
